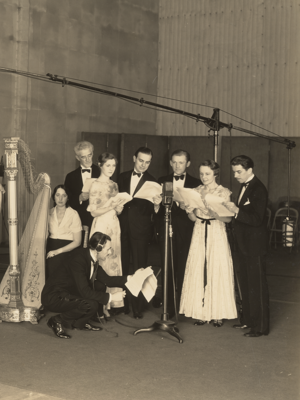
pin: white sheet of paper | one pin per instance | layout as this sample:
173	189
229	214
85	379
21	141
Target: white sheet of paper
124	197
148	191
216	203
136	282
149	287
87	184
176	196
191	198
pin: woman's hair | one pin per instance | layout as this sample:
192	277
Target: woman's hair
54	193
105	157
245	161
215	167
98	241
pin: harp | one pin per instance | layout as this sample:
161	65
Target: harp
22	284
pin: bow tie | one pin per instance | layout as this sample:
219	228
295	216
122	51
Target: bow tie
245	184
85	170
137	173
177	177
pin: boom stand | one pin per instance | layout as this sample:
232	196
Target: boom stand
164	323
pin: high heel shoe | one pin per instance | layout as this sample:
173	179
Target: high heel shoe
217	323
200	322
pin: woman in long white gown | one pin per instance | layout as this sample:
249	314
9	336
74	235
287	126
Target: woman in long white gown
208	287
104	210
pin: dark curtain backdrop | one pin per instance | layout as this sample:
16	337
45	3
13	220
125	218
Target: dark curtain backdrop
270	158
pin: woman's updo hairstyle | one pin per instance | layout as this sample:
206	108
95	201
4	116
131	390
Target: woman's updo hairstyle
105	157
215	167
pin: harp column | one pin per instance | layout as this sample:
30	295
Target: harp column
11	311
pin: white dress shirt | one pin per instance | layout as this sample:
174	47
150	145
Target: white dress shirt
134	182
244	187
86	175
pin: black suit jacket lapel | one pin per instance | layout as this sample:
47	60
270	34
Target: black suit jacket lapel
78	178
95	171
187	182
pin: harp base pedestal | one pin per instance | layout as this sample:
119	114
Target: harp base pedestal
20	314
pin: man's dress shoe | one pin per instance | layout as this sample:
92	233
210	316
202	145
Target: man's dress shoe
137	315
90	327
254	334
241	326
57	329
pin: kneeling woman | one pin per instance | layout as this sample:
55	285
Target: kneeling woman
64	227
208	287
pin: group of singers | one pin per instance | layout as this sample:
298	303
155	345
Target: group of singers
86	283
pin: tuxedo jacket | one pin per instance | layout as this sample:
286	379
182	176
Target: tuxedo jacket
250	225
73	278
137	213
180	219
74	184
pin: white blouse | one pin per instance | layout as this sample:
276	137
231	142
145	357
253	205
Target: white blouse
70	224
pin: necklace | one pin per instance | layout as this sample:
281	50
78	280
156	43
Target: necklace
211	190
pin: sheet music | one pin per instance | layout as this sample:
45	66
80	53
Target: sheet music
191	198
143	280
148	191
177	196
123	197
216	203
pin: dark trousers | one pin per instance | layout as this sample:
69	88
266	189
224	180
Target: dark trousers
73	312
54	263
255	293
138	249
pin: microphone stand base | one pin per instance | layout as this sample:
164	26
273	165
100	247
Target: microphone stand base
166	326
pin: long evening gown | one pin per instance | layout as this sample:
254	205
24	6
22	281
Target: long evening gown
217	300
108	223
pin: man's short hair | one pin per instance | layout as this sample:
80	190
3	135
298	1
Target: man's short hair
215	167
180	152
144	150
82	146
98	241
245	161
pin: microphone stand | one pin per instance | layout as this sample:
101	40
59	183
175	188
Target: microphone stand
164	323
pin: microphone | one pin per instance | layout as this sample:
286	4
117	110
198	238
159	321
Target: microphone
167	192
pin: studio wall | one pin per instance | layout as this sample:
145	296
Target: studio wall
109	42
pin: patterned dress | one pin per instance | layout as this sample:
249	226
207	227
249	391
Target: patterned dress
208	295
108	223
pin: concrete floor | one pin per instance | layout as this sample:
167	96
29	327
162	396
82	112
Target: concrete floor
211	364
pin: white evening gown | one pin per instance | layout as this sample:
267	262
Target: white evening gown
108	223
217	299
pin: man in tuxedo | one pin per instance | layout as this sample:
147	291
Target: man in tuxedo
182	226
75	180
136	221
79	287
250	237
